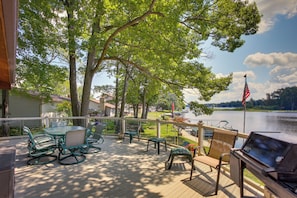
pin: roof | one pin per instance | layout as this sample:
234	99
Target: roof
8	42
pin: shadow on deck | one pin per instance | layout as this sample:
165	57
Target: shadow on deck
119	170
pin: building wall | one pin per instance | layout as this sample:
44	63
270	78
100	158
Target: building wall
24	106
93	105
21	105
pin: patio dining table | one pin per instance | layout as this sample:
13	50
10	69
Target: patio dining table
60	131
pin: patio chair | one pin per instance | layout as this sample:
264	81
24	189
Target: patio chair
72	147
218	154
157	142
133	132
41	148
185	151
57	124
95	138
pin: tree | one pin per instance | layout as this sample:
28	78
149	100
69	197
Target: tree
158	38
37	49
288	100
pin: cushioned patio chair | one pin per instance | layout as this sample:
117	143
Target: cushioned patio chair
157	142
185	151
94	139
71	149
218	154
41	148
133	132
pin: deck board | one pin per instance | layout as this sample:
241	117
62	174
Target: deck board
119	170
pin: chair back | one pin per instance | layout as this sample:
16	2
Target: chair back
98	132
31	137
75	138
222	142
54	124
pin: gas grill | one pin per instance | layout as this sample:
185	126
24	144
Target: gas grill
270	156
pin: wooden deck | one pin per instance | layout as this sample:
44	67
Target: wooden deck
119	170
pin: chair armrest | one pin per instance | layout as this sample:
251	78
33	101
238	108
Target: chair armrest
195	150
41	138
223	155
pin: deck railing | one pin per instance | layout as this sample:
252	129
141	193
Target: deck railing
117	126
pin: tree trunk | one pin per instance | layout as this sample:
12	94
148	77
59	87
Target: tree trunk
143	104
146	110
124	94
91	67
72	64
117	90
135	110
87	84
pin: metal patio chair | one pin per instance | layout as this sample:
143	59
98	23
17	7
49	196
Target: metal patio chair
218	154
41	148
95	137
133	132
71	148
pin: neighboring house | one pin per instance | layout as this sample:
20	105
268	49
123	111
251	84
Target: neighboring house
50	109
24	105
94	107
101	108
30	105
107	109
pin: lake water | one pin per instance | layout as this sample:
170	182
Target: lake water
285	122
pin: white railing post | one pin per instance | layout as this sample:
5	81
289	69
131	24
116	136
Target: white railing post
87	120
47	122
122	133
200	137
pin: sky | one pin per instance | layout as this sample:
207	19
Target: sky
268	58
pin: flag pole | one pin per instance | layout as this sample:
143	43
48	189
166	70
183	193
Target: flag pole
244	111
245	95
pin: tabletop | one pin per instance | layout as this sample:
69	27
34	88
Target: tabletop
61	130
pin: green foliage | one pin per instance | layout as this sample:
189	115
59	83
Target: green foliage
158	39
200	109
35	75
281	99
64	107
37	44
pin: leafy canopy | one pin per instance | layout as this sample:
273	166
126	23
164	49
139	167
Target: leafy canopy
159	38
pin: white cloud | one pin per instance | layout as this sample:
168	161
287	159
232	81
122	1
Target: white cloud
283	73
271	59
283	66
271	8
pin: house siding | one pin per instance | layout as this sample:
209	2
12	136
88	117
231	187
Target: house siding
24	106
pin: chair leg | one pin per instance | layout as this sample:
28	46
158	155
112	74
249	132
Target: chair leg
131	137
218	179
38	160
192	168
171	161
148	142
169	156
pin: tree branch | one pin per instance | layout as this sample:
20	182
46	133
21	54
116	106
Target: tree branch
122	28
142	70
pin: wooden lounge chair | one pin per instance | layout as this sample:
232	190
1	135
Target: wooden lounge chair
71	149
41	148
219	151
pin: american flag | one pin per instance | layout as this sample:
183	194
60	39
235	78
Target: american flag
246	92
